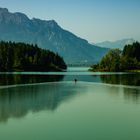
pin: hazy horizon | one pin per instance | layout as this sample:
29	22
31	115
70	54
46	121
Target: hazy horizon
93	20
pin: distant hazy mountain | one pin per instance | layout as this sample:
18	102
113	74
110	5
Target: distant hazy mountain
49	35
116	44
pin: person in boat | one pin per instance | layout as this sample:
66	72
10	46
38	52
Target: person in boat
75	80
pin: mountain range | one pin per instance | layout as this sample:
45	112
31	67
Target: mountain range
116	44
48	34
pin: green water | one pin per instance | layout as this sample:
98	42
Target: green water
100	106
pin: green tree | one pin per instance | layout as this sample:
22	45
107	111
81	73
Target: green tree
111	61
26	57
115	60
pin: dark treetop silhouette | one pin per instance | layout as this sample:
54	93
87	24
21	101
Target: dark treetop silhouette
25	57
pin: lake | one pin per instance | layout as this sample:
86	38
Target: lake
41	106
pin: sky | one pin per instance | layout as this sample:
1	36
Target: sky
93	20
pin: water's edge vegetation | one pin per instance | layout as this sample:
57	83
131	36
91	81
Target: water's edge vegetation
115	60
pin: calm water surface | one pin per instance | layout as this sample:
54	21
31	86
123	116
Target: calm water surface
40	106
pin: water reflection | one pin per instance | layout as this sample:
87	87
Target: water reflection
14	79
18	101
124	79
132	94
109	78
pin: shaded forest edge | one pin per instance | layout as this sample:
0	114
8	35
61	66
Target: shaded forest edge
120	61
26	57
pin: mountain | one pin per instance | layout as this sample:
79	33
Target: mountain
49	35
116	44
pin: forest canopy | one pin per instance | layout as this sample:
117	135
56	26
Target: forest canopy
116	60
26	57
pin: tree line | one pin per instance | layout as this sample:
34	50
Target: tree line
28	57
116	60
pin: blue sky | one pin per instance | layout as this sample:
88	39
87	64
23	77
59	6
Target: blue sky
94	20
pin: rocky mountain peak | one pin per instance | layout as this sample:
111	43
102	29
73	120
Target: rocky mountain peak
48	34
3	10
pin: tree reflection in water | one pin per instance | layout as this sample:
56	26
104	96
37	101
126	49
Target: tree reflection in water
125	79
122	79
14	79
18	101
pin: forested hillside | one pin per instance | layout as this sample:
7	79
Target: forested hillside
26	57
116	60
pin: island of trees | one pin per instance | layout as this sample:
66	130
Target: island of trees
120	61
26	57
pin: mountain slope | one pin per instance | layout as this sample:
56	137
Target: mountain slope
49	35
116	44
